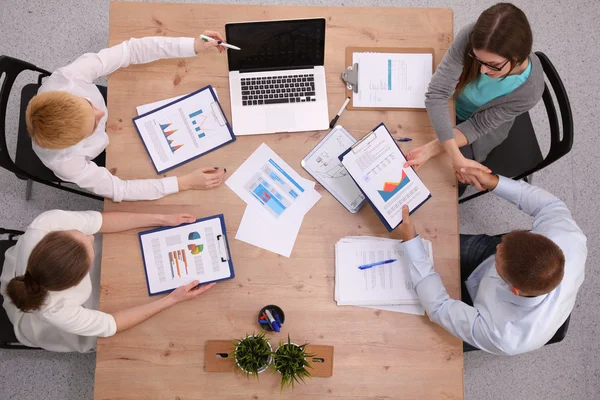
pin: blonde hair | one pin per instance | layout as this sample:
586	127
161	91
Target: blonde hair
55	120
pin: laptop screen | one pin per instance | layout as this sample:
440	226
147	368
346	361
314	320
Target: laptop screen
276	45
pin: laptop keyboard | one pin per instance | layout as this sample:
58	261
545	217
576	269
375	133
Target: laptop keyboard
278	89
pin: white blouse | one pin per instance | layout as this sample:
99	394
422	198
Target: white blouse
68	320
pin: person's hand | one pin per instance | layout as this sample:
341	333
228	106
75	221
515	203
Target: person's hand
419	156
200	45
177	219
482	180
202	179
406	230
189	291
460	162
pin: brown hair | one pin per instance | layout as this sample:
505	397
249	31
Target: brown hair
531	262
55	120
502	29
57	262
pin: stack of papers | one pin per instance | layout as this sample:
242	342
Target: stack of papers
277	198
385	287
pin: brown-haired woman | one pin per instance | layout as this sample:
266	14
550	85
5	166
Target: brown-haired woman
50	281
494	77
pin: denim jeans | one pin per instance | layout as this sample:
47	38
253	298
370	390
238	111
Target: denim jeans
474	249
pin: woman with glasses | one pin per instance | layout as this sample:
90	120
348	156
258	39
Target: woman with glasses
494	77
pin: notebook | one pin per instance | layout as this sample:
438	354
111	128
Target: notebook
184	129
376	164
176	256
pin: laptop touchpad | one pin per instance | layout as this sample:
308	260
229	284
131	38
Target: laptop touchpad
280	119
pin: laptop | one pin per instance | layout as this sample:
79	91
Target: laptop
277	79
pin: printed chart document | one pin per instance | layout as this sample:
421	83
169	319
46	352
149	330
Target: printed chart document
323	164
182	130
386	287
392	79
376	164
145	108
175	256
269	185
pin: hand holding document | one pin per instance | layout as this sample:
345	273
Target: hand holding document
385	285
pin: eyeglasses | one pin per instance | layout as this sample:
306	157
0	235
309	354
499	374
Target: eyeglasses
492	67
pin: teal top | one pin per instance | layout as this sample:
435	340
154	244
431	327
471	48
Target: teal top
485	89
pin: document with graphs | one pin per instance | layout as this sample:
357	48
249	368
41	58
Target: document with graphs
376	164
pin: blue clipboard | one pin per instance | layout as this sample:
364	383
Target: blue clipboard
222	236
212	92
381	217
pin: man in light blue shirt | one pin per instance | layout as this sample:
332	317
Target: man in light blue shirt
523	284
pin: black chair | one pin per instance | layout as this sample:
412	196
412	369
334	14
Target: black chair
27	165
558	336
519	156
8	340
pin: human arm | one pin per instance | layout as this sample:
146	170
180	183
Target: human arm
114	221
130	317
92	66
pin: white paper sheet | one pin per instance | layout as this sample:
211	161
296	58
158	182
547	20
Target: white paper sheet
269	185
177	256
183	130
392	79
144	108
376	164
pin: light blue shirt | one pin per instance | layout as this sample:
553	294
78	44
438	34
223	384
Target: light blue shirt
485	89
499	321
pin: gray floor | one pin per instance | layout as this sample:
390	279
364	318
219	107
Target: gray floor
52	33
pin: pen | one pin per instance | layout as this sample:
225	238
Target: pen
274	323
277	318
339	114
209	39
403	139
367	266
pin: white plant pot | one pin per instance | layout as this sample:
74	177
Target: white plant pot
293	344
262	369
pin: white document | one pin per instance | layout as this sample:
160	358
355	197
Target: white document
184	130
376	163
272	188
388	284
277	238
392	79
177	256
323	164
145	108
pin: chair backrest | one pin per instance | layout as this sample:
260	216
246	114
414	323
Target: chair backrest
10	68
559	146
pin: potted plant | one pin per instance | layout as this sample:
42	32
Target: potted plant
290	361
253	354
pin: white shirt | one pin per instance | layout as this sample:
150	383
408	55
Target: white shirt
499	321
74	164
68	320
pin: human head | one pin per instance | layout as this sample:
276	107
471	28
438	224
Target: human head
501	37
531	263
59	261
57	120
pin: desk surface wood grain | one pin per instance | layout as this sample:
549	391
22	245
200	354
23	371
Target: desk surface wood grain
378	354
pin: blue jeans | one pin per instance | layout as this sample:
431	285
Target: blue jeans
474	249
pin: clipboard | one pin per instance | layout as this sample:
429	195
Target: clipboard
350	75
221	251
377	212
215	108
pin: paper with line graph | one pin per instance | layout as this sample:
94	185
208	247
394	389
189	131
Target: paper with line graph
176	256
377	166
184	129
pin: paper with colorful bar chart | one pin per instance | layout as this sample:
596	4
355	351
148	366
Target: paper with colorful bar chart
184	129
376	164
175	256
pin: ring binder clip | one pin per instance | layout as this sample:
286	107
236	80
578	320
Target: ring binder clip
350	76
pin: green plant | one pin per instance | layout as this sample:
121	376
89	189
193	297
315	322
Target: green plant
290	361
253	354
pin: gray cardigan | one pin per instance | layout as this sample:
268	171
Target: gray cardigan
489	125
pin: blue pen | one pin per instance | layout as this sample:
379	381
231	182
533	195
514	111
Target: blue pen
403	139
367	266
274	323
277	318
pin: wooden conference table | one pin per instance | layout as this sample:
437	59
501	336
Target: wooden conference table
378	354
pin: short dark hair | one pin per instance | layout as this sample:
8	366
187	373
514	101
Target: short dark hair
531	262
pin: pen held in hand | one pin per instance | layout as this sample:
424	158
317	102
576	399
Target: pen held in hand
221	43
375	264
